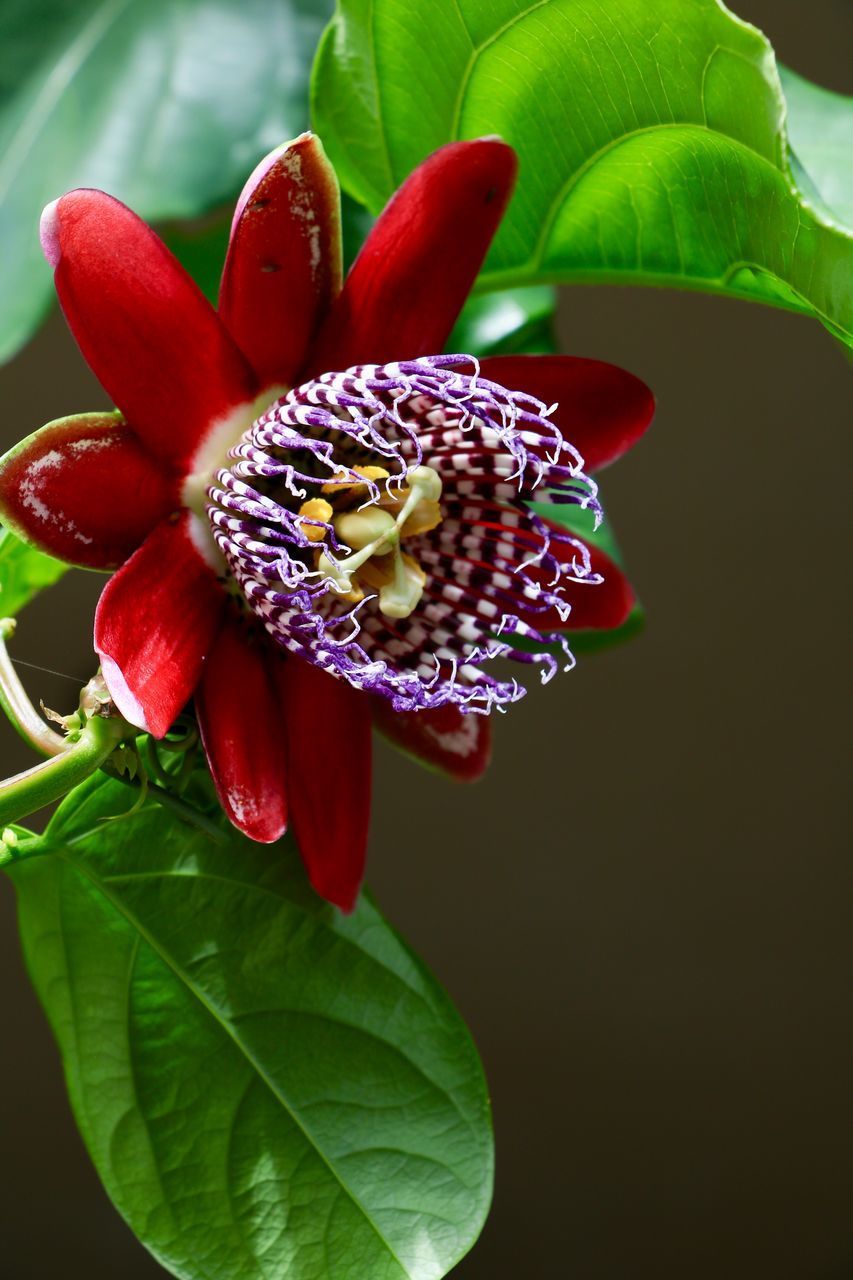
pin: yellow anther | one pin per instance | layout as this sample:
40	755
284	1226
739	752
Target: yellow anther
426	515
399	597
426	481
352	487
373	534
377	572
414	568
316	509
345	583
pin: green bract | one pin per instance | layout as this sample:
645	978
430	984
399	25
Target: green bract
267	1088
651	137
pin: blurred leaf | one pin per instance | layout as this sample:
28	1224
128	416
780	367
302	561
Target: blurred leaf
650	134
200	246
356	222
820	131
267	1087
24	572
167	105
512	322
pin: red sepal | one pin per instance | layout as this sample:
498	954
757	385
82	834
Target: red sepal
84	489
241	729
444	739
603	409
147	331
327	725
417	265
284	259
156	619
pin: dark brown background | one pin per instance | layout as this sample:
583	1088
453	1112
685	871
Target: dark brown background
643	911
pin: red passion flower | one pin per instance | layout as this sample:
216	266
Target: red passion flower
316	523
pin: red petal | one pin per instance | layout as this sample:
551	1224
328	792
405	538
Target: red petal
284	259
445	739
241	730
149	334
155	621
328	762
603	409
84	489
602	606
417	266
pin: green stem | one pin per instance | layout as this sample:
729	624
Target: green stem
34	788
17	706
186	812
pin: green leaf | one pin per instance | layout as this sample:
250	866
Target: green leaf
201	246
820	131
650	133
356	221
512	322
267	1088
24	572
166	105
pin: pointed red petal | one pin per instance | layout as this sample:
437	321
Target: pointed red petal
241	729
149	334
602	606
284	259
445	739
84	489
329	771
603	409
417	266
155	621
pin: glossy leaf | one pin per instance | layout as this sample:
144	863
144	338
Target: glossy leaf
820	131
651	137
511	322
167	106
24	572
267	1087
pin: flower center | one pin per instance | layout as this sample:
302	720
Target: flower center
376	521
374	535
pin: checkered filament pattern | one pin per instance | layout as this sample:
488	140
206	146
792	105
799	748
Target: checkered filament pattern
492	565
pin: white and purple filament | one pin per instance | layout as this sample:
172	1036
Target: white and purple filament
492	448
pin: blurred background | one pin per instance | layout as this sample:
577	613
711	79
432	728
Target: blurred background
643	910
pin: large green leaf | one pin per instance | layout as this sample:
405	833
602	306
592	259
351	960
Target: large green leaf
651	137
820	131
268	1088
24	572
165	103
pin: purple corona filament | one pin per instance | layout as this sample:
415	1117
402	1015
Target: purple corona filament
490	448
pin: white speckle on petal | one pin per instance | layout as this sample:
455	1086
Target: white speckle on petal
460	742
